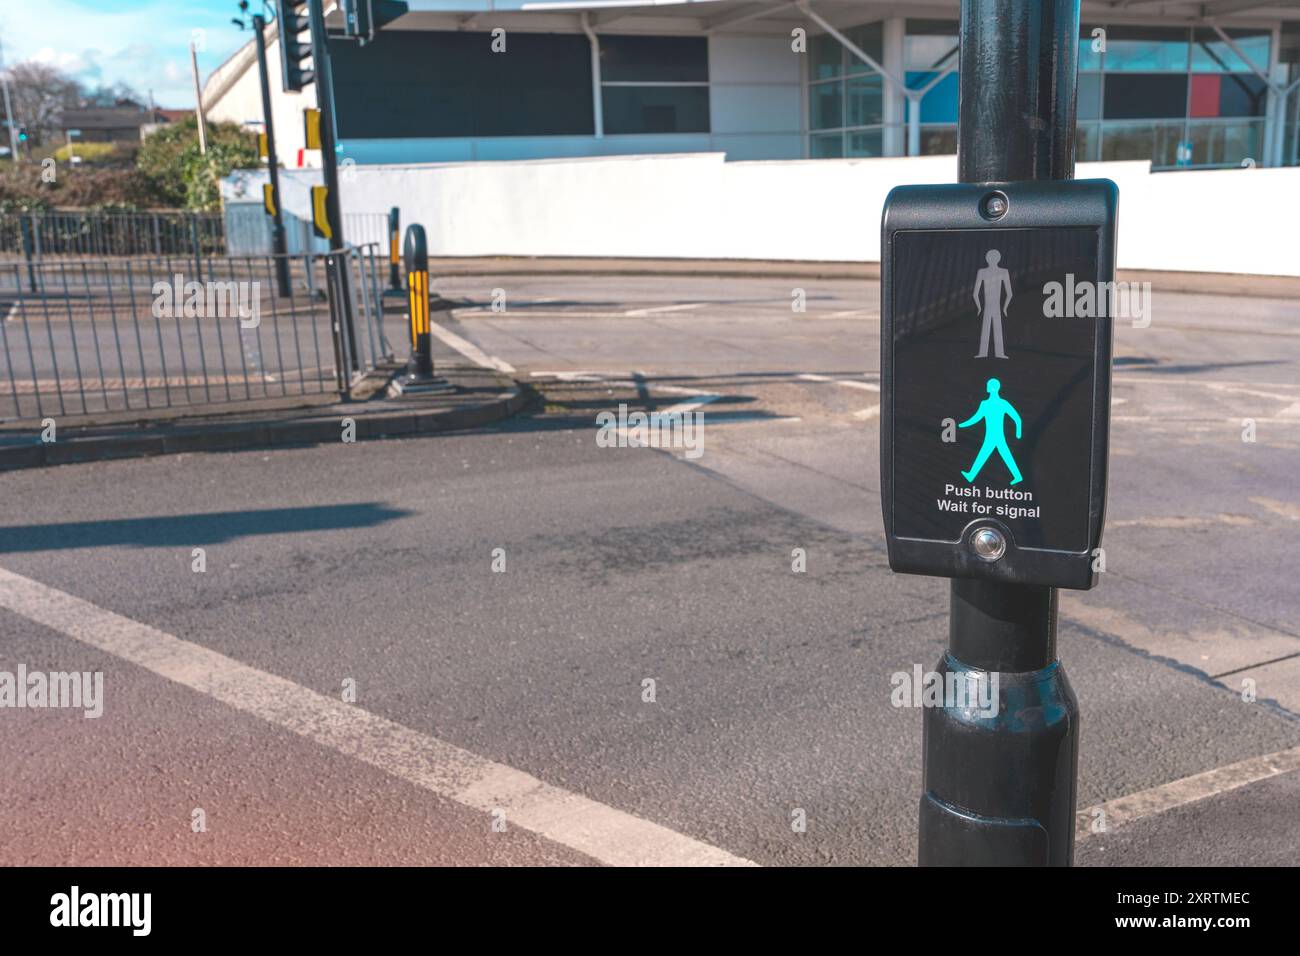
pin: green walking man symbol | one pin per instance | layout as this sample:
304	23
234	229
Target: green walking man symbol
992	411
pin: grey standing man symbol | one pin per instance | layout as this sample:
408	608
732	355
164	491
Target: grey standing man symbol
992	280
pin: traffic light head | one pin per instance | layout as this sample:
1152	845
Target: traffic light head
294	47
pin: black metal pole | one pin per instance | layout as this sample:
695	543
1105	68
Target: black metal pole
25	226
278	246
1000	790
1019	69
330	161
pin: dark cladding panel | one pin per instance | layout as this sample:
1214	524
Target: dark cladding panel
409	84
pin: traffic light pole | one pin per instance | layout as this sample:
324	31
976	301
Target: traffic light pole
1000	790
329	157
277	216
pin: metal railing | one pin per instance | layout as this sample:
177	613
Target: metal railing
84	233
108	335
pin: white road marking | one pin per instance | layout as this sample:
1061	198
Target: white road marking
1283	508
574	376
866	413
679	307
846	382
681	408
470	350
601	832
678	390
1202	383
533	314
1196	420
13	311
1178	793
1182	522
1253	392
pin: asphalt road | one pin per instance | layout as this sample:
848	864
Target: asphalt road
371	566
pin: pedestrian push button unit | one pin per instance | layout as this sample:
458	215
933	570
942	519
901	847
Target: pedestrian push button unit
996	307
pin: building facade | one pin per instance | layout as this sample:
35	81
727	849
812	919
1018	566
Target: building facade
1184	85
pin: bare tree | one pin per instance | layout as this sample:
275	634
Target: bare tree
116	95
41	93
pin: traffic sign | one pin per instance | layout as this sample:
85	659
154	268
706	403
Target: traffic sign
320	215
997	304
311	128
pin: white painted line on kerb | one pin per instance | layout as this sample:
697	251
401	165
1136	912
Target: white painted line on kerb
602	833
1178	793
470	350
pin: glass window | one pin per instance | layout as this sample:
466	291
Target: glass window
1090	48
1211	55
826	106
864	100
938	140
869	38
679	68
1226	144
1157	142
865	142
939	105
1242	95
826	146
1146	50
852	100
929	44
1090	96
656	109
1087	144
1145	95
644	59
826	57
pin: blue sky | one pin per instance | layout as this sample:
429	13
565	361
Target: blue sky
144	43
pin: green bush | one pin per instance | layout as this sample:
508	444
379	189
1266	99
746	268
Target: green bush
179	175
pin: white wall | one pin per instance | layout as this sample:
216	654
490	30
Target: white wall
241	102
698	206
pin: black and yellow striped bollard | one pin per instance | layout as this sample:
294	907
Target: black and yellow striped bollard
419	376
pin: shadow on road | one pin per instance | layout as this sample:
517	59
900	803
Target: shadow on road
192	530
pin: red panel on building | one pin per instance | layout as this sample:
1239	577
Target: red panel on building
1205	94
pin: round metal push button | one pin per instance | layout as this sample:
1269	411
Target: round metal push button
988	544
